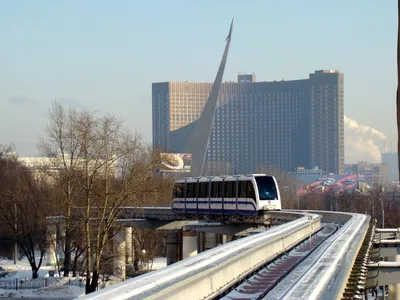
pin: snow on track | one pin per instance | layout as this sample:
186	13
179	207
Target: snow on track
262	282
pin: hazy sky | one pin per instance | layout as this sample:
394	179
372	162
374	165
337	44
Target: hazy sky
104	55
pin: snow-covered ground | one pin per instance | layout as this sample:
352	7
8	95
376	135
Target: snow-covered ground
48	292
59	290
159	262
22	269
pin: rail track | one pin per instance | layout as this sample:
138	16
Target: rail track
258	285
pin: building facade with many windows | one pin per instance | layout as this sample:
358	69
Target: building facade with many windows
327	120
287	124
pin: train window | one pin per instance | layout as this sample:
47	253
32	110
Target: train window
266	188
190	190
195	190
202	189
214	189
242	189
221	189
250	190
182	193
208	193
235	189
175	192
230	189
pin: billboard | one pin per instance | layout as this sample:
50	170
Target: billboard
333	183
176	162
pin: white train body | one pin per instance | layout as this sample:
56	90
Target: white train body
226	195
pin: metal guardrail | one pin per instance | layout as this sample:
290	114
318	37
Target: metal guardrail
205	274
388	233
29	283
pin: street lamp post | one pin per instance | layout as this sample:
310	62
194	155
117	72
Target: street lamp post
310	218
383	213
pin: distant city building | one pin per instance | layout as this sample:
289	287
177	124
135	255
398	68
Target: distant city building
302	170
391	160
288	124
327	120
351	169
246	78
45	166
369	172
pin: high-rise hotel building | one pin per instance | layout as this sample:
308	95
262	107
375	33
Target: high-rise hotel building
287	124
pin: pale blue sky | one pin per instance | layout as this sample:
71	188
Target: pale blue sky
104	55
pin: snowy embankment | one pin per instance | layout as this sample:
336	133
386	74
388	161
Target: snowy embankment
56	288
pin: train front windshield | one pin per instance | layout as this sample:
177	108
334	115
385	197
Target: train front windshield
266	188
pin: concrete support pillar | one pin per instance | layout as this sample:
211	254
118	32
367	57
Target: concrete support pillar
394	289
229	238
119	265
208	240
174	246
211	240
200	239
128	243
52	242
223	239
61	242
189	244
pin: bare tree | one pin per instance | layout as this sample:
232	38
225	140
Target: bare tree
116	167
23	209
99	167
62	147
312	201
147	244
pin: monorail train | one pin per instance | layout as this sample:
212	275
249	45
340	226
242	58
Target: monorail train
241	195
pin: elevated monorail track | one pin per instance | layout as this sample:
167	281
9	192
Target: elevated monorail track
264	217
323	274
204	275
264	280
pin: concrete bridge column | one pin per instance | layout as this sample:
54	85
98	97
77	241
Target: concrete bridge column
52	250
119	264
174	246
128	242
394	289
189	244
223	239
208	240
211	240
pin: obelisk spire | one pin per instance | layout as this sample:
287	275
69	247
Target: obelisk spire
197	142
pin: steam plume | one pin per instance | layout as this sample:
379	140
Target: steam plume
361	142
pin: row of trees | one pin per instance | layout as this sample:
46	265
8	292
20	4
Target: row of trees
24	203
93	168
375	203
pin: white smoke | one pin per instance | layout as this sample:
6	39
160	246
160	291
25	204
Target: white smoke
362	142
363	129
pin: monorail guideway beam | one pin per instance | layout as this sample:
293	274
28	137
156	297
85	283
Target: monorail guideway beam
204	275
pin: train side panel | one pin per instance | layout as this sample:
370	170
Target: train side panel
240	195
